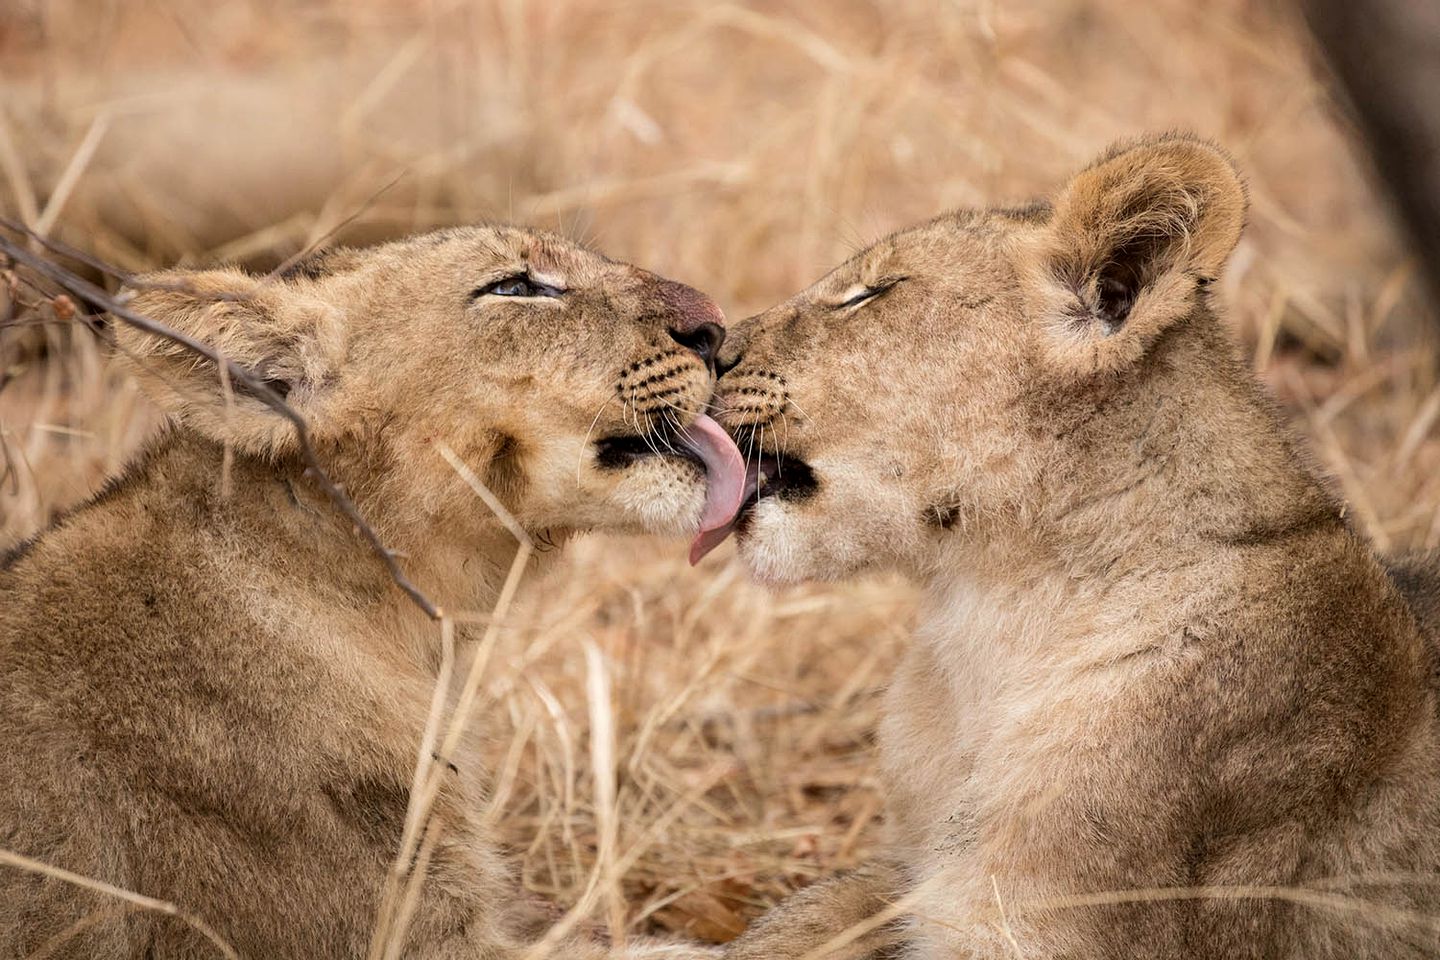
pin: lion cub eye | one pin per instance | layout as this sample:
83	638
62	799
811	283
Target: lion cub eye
869	293
858	298
519	285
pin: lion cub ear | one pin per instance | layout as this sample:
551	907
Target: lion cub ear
1133	239
284	336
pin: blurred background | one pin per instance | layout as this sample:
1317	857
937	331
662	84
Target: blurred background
740	147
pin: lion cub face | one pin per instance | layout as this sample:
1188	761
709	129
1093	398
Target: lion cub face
572	385
932	387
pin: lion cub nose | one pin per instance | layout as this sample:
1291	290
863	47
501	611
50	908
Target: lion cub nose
704	338
694	321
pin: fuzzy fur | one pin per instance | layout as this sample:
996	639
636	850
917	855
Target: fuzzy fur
212	693
1162	701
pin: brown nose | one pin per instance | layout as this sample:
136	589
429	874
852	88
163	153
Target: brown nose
695	322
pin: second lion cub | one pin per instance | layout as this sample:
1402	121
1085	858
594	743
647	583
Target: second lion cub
1163	701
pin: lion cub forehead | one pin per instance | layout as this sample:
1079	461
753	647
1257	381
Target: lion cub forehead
938	242
468	251
535	248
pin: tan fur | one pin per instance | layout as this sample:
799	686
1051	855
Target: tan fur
216	697
1152	656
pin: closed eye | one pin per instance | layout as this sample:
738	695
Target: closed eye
869	293
518	285
859	298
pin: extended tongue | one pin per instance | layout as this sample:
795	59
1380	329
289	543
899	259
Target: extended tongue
724	483
707	540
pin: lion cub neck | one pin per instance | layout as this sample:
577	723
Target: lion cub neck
265	521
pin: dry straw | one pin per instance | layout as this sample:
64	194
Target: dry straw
673	749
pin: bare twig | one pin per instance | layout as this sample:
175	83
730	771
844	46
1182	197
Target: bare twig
94	918
63	249
407	873
879	919
406	860
1004	920
12	859
96	297
73	171
319	241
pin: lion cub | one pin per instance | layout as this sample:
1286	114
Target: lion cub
211	692
1162	702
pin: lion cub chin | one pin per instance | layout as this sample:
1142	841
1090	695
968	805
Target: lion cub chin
1162	701
211	692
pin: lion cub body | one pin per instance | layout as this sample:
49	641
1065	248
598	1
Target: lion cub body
1244	717
1162	701
212	694
206	702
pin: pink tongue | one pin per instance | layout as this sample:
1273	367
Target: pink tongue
724	483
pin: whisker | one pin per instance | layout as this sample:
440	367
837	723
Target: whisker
645	433
749	450
671	429
632	412
580	460
630	415
784	446
674	414
683	411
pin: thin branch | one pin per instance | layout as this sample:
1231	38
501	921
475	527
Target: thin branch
397	901
98	298
72	174
11	859
321	240
62	249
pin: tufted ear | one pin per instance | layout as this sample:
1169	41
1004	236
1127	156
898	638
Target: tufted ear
1134	238
285	337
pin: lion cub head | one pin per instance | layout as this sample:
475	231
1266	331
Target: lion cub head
572	385
968	377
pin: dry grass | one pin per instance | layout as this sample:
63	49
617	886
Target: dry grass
741	148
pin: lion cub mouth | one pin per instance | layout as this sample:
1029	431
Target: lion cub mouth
766	475
703	443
